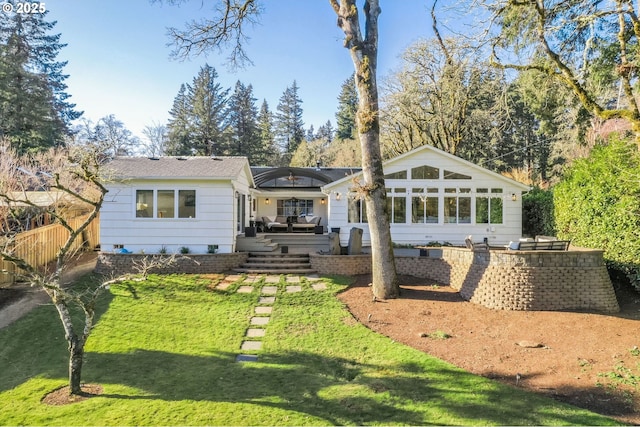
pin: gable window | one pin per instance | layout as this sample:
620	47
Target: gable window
425	172
165	203
397	205
455	175
489	206
457	205
396	175
357	210
424	206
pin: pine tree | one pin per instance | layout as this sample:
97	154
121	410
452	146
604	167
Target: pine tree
34	110
289	124
209	111
179	126
347	107
243	119
269	154
325	133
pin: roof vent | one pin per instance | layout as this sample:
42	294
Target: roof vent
153	158
181	158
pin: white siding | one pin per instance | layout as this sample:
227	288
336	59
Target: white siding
409	233
214	222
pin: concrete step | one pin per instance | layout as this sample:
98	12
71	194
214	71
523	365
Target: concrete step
268	271
268	266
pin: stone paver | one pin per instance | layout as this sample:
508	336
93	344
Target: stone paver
223	286
255	332
251	345
246	358
259	320
293	279
312	277
269	290
321	286
267	300
272	279
233	278
291	289
264	310
245	289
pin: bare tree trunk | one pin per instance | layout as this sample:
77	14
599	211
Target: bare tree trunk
76	357
364	53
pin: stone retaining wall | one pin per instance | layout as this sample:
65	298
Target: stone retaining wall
117	264
507	280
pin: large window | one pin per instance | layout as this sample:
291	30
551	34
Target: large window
294	207
357	210
424	206
165	203
457	205
489	206
397	205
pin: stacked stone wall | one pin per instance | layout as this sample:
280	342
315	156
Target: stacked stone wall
118	264
506	280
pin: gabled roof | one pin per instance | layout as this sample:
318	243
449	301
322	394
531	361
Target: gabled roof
429	148
192	167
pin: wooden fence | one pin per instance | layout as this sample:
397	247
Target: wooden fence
40	246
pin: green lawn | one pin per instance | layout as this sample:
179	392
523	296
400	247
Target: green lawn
164	351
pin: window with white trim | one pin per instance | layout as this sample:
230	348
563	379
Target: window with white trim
457	205
397	205
424	206
489	206
165	203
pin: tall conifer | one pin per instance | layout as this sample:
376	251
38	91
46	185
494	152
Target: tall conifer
35	112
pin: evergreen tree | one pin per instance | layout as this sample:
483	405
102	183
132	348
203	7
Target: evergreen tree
325	132
243	119
347	107
179	126
34	110
311	134
269	154
208	101
289	124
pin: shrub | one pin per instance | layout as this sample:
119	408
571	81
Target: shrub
597	205
537	213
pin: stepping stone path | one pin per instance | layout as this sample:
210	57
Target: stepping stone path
263	310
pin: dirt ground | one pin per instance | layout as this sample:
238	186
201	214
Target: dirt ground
581	358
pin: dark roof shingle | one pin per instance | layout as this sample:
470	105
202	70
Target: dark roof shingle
176	167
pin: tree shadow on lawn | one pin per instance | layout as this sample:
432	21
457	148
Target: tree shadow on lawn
42	333
336	390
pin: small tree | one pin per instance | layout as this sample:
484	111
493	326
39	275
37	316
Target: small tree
72	177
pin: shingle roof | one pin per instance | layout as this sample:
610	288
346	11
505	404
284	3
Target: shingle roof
177	167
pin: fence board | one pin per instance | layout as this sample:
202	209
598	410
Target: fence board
40	246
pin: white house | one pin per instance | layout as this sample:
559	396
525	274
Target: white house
206	203
435	196
199	203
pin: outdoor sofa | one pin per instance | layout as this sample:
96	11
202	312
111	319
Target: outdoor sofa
292	223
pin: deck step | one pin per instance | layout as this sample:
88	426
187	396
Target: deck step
276	263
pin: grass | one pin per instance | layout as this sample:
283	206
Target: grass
164	351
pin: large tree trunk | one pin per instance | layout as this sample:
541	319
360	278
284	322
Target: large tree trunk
364	53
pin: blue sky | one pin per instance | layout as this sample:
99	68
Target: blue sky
119	60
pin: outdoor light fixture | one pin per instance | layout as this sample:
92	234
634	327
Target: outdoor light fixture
322	201
338	196
267	201
514	196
